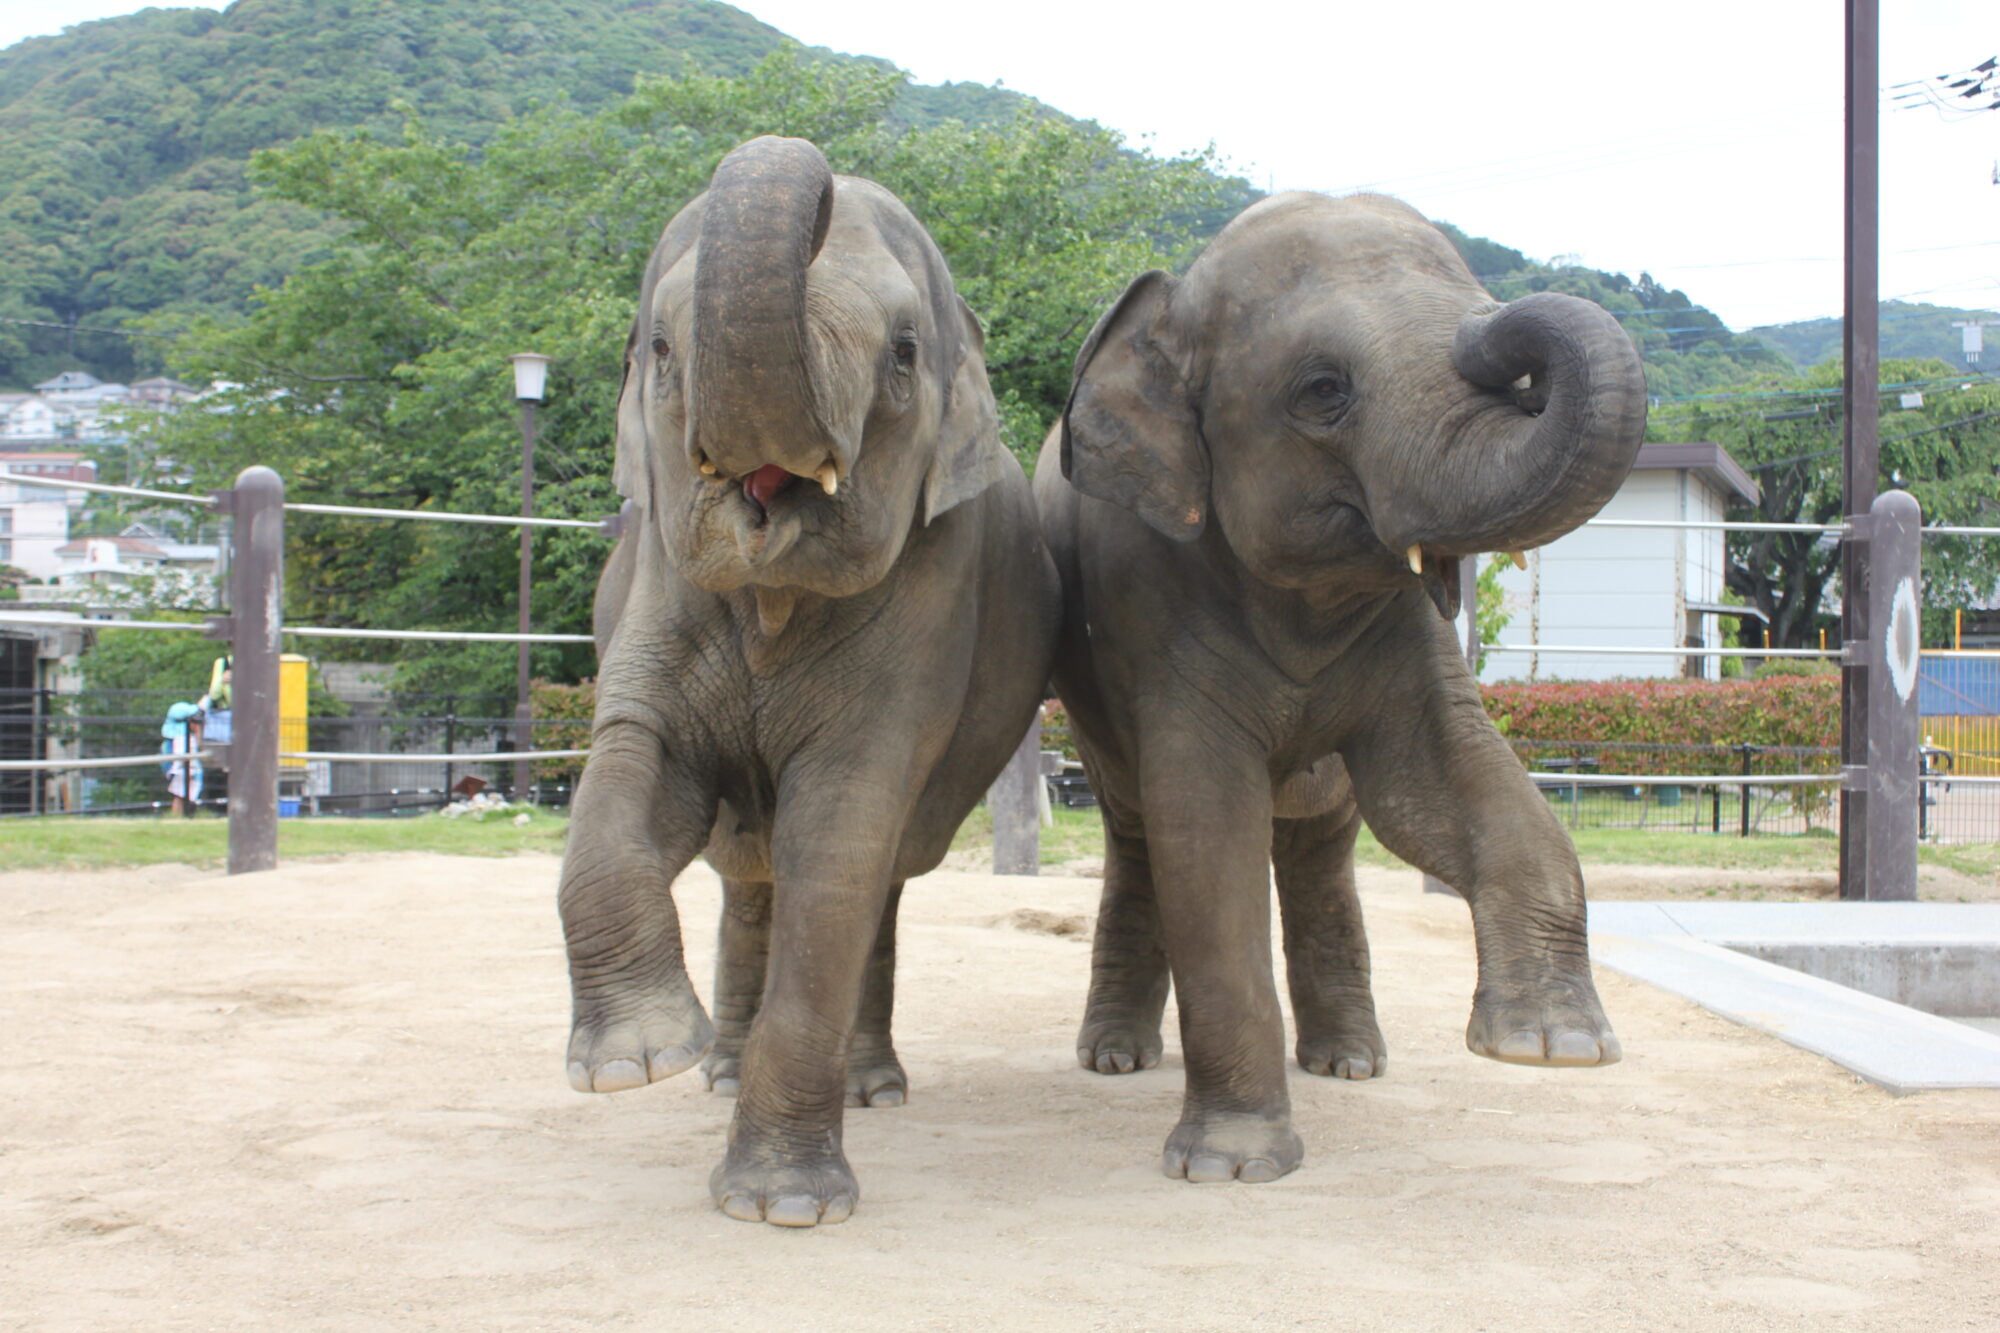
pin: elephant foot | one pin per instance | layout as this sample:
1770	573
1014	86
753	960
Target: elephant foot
1555	1019
1352	1049
629	1044
1252	1149
722	1072
1118	1045
876	1079
790	1193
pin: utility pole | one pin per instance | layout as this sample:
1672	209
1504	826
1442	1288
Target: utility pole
1860	445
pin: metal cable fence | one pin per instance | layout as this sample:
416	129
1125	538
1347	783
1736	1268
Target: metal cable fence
410	764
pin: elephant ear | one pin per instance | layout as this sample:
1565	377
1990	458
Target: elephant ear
970	456
1129	432
631	458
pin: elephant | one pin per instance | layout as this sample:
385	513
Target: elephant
827	626
1257	497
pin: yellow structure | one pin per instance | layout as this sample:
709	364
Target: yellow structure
292	709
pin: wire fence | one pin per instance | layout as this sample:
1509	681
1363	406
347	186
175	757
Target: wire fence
390	764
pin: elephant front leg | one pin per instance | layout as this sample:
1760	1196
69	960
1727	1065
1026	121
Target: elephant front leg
636	823
1444	792
1208	826
1326	945
831	857
1128	966
742	949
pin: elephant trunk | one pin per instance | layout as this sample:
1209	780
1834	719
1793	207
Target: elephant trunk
751	396
1509	477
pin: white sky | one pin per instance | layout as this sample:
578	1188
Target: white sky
1699	141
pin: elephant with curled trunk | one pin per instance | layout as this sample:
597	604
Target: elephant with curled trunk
1257	498
823	633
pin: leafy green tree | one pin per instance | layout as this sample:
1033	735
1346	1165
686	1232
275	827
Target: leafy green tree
1787	431
378	376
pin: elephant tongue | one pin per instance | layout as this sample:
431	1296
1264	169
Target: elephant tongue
766	482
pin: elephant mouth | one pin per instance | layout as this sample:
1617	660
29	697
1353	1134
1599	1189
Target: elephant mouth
763	485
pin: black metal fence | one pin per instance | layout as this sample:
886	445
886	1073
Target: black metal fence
49	726
411	770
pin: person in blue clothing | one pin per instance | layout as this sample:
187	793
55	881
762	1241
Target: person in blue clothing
180	735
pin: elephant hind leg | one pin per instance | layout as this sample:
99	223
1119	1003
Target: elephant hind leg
1326	945
875	1076
742	949
1129	978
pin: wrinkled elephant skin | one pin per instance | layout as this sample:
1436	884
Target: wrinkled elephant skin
1257	499
825	629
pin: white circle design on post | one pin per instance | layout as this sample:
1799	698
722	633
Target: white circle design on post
1900	640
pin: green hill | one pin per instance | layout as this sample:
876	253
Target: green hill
1909	330
128	143
127	139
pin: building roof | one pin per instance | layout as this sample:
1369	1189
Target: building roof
1712	461
125	545
70	381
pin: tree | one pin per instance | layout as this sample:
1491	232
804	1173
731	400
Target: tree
378	376
1786	430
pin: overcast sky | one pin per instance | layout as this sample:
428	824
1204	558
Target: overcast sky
1699	141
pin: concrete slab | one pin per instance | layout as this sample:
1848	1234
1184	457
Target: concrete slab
1698	951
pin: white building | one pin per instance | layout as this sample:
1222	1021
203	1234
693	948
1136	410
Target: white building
1630	587
34	520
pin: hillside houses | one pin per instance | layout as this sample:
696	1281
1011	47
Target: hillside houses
77	408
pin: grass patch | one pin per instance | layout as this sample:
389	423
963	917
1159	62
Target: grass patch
90	843
1076	834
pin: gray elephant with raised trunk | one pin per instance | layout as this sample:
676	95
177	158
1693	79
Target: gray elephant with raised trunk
826	629
1257	498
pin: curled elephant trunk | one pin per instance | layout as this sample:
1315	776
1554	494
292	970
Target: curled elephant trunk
1516	478
751	387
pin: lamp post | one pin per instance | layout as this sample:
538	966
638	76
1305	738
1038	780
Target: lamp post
531	372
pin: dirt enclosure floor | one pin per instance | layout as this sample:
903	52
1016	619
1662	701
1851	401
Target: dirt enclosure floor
332	1097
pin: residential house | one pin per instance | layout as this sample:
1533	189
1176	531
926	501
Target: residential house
1631	587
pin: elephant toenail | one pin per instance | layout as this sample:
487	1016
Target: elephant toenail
1257	1170
1209	1169
886	1097
742	1207
667	1063
618	1075
793	1210
1522	1047
726	1087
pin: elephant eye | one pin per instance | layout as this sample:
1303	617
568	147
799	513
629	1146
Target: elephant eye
904	349
1324	395
662	348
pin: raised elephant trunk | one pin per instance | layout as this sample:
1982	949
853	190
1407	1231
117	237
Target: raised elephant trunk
751	394
1513	479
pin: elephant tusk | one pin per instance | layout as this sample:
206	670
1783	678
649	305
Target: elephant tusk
1415	555
706	468
1520	560
829	477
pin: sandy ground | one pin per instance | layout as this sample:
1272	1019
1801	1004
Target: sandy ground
331	1097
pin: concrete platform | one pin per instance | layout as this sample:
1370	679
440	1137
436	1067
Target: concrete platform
1744	960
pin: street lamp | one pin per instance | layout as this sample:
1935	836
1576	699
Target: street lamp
531	373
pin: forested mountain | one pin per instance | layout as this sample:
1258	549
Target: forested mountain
1911	330
127	145
126	141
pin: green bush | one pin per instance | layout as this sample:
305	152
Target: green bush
1781	710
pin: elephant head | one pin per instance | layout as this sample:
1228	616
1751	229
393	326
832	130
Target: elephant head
801	380
1331	384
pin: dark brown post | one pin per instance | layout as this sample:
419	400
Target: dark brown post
1861	382
1894	785
1017	814
255	625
